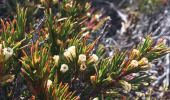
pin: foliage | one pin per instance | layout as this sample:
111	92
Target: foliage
57	60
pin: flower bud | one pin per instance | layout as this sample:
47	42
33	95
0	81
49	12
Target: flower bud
135	52
8	52
56	59
64	68
70	53
82	58
72	50
67	55
49	83
143	61
94	58
134	63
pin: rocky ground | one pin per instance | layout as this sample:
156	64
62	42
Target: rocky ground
129	25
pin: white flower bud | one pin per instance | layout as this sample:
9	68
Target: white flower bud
8	52
56	59
64	68
135	52
134	63
67	55
49	83
70	53
94	58
82	58
143	61
72	50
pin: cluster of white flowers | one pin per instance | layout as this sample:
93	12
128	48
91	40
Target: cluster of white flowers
64	68
56	59
70	53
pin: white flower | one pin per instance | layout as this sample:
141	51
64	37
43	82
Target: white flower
82	58
56	59
49	83
134	63
64	68
70	53
72	50
8	52
143	61
135	52
94	58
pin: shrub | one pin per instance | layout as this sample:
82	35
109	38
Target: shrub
55	57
